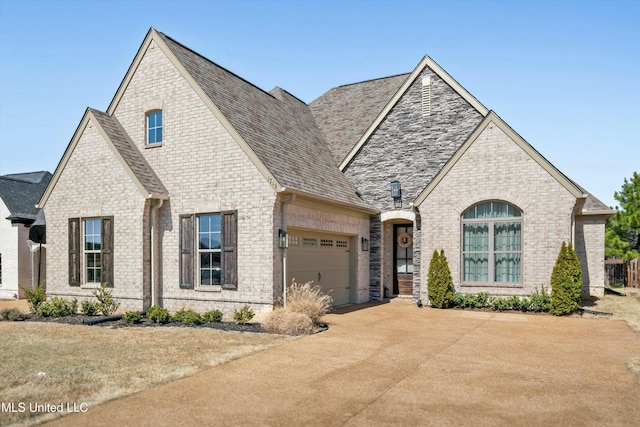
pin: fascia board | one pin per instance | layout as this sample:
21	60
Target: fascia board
440	72
327	200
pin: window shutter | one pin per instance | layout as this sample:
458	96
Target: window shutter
229	250
107	251
187	229
74	252
426	96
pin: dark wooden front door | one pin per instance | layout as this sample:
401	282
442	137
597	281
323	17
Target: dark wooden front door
403	259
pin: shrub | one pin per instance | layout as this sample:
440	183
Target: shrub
132	317
244	315
188	317
440	284
284	321
158	314
308	299
540	302
212	316
107	305
35	296
469	300
57	307
500	304
12	314
566	282
90	308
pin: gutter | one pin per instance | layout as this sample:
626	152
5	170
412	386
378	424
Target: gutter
155	286
283	225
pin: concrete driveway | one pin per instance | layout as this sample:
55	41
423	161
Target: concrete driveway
396	364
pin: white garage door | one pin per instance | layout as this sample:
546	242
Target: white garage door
321	258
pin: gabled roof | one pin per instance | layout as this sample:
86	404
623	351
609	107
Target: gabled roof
124	150
440	72
278	134
346	112
592	205
21	191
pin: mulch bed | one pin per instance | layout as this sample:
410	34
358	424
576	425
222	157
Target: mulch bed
79	319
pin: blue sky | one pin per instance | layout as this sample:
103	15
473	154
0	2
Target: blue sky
564	74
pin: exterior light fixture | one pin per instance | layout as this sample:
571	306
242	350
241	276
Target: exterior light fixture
365	244
396	193
283	239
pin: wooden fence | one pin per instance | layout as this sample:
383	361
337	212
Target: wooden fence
620	273
632	272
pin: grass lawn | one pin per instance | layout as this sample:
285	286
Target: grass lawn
54	363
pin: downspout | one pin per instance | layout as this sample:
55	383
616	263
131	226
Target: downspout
154	250
283	222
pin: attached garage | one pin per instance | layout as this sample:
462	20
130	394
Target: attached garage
324	259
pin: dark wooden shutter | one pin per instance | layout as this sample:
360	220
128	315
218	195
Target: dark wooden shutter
229	250
107	251
74	251
187	228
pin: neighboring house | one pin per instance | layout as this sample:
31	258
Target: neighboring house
19	194
184	192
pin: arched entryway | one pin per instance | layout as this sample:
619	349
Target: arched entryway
398	252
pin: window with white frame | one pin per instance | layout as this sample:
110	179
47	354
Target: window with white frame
209	249
93	250
154	127
492	244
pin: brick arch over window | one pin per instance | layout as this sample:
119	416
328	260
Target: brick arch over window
491	244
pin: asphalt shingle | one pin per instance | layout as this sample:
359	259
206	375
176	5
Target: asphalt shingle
21	192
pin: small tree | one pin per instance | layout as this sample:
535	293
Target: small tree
566	282
440	284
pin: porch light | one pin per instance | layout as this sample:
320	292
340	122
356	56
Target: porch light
365	244
283	239
396	193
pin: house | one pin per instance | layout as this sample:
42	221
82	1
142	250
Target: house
19	194
195	188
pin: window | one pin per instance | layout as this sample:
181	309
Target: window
91	251
210	262
154	127
404	249
492	243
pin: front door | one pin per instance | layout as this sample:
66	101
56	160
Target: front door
403	259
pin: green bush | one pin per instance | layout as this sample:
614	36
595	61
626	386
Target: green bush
500	304
440	284
158	314
540	302
106	302
12	314
188	317
469	300
566	282
212	316
244	315
57	307
132	317
90	308
35	296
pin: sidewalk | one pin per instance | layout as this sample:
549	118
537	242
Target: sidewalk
396	364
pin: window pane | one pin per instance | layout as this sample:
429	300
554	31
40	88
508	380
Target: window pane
507	236
401	266
475	237
158	135
507	268
476	267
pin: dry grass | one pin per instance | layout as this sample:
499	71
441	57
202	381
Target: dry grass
625	308
94	364
307	298
281	321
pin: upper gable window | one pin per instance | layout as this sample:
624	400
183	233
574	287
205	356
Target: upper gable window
154	127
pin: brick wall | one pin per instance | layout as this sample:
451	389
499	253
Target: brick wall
495	168
589	246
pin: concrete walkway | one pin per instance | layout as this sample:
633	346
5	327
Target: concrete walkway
396	364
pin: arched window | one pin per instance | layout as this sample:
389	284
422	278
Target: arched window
154	127
492	243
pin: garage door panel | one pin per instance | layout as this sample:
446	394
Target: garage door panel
322	259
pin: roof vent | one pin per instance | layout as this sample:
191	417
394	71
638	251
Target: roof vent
426	96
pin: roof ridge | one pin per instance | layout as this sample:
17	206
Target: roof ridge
372	80
13	176
215	63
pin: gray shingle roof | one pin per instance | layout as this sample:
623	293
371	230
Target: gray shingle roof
21	192
346	112
127	149
278	128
